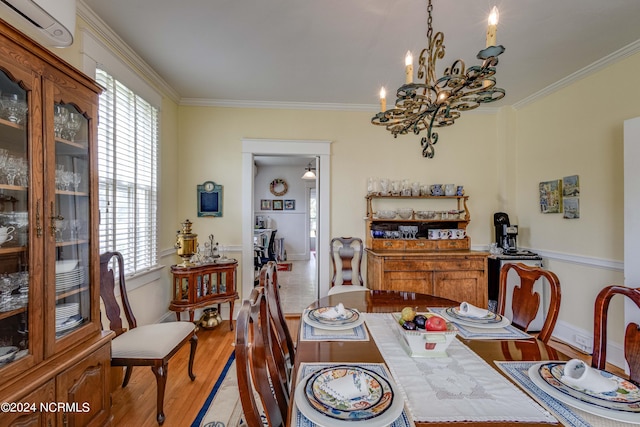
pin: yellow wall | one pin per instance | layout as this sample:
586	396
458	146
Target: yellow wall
579	131
210	149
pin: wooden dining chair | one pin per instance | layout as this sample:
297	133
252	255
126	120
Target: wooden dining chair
269	280
147	345
526	300
631	336
261	393
346	259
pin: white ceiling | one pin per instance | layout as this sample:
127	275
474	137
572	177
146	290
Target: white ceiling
342	51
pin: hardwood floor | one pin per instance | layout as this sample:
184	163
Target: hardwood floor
135	405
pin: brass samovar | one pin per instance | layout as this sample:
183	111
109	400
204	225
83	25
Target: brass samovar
186	244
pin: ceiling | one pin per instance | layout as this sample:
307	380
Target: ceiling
341	51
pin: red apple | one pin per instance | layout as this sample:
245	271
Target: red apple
435	323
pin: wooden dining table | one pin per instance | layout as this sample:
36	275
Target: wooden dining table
393	301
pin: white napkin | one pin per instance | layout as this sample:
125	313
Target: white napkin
349	387
579	374
471	310
335	312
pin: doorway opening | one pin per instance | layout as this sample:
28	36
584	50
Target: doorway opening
320	150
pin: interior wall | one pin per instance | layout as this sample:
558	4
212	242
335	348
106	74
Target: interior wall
290	223
210	141
579	131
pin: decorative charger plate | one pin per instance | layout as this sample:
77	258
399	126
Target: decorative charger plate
621	405
350	316
363	408
474	323
331	326
491	317
321	419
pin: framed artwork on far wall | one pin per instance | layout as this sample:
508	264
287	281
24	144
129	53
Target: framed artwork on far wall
551	196
289	205
277	205
265	205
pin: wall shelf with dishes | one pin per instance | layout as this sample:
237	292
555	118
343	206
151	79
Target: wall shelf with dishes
415	228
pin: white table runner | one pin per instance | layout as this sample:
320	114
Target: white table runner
461	387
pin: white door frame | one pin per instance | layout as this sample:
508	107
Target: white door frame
260	147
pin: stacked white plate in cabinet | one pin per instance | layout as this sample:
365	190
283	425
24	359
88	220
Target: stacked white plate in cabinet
69	280
67	316
64	311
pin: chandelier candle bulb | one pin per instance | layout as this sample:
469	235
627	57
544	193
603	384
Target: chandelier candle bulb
408	69
492	28
383	99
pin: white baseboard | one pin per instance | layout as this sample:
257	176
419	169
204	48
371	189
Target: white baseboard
567	333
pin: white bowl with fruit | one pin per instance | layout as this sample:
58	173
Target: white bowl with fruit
425	334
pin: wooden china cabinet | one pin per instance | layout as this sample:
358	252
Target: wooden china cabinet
418	261
54	358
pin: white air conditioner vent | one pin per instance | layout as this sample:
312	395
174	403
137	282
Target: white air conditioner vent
56	19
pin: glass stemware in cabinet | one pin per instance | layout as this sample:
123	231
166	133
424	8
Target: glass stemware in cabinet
72	126
60	118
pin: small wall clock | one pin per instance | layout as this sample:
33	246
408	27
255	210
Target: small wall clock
209	199
278	187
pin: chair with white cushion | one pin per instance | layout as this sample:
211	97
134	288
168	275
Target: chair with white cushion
148	345
346	259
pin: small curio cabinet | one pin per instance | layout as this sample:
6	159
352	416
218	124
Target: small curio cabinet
204	285
52	348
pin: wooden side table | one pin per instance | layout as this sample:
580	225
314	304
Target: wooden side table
204	285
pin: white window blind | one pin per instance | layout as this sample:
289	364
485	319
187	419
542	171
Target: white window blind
128	168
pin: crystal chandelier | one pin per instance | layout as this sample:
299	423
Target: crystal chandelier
439	102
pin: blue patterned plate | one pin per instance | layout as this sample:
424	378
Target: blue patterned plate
625	398
349	316
455	313
363	408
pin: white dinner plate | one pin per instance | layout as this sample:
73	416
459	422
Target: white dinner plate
555	392
468	322
384	419
490	317
350	316
344	327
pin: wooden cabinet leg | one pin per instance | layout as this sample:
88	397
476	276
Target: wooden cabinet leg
191	313
178	315
231	315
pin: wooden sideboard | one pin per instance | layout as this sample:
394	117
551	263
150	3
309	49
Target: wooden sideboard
456	275
203	285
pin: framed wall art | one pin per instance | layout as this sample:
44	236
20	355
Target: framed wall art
289	205
277	205
209	199
550	196
265	205
571	197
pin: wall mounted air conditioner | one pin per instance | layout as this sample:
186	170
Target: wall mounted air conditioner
56	19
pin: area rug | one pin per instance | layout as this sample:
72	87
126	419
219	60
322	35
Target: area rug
222	407
285	266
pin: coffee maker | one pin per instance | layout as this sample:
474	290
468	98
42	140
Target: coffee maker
506	234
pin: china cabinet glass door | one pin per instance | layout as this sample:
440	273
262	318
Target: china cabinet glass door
16	282
69	219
